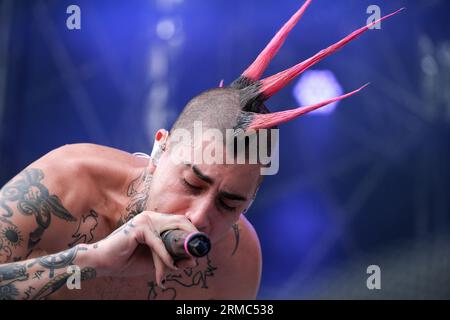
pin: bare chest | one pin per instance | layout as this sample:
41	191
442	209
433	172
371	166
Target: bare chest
199	282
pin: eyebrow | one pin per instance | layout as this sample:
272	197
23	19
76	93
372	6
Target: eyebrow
232	196
209	180
202	176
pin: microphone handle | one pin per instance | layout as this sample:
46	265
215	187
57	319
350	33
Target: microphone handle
181	244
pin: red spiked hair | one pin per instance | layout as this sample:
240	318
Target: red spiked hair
256	91
256	69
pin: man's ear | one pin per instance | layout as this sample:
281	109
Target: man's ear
159	144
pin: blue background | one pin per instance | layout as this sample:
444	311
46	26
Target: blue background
368	184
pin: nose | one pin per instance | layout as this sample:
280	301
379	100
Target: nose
199	216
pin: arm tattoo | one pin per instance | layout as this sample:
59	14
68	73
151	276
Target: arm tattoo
13	273
9	274
31	197
10	238
236	236
9	292
28	292
58	260
38	274
59	281
89	220
187	278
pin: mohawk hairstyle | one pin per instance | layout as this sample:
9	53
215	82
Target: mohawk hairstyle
241	105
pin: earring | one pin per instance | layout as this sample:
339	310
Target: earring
157	151
159	147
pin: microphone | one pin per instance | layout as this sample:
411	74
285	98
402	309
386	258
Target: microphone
181	244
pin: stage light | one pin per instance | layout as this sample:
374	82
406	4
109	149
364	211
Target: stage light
315	86
166	29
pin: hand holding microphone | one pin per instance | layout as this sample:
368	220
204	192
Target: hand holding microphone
125	252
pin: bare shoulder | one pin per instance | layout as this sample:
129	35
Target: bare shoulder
83	155
74	171
97	162
44	202
239	263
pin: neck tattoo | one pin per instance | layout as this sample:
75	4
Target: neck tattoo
138	192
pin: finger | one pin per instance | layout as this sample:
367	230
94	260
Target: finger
178	222
159	270
153	240
167	221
